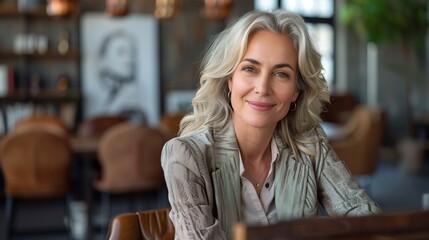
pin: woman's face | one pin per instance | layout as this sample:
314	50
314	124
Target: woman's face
264	85
118	59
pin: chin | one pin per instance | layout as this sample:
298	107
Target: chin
259	123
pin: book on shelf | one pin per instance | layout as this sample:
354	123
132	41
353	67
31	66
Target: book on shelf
7	82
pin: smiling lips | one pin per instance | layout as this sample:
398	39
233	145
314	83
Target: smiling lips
260	106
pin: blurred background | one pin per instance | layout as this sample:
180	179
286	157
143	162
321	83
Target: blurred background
133	65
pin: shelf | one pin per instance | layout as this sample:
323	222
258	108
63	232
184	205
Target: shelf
44	96
49	65
50	54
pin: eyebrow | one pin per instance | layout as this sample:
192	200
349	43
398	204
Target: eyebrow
281	65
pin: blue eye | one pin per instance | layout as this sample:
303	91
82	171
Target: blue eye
282	75
248	69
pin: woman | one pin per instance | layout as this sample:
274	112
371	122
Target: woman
253	149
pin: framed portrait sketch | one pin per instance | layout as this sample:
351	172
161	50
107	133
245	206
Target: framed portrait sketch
179	100
120	67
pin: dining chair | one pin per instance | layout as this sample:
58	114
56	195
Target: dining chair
150	224
35	160
361	140
130	159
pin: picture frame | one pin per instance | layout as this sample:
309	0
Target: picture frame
120	66
7	80
179	100
4	79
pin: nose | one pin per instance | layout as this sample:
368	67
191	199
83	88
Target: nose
262	85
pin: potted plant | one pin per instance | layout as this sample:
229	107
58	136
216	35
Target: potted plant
382	21
404	22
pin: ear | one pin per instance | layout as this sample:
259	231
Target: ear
296	95
230	84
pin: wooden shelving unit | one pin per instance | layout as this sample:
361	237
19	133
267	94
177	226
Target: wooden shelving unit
48	65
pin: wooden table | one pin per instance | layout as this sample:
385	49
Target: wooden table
83	145
411	225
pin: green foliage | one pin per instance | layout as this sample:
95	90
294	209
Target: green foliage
384	21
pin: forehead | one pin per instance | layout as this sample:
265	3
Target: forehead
271	46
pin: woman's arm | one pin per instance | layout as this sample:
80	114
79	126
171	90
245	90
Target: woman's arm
339	193
189	185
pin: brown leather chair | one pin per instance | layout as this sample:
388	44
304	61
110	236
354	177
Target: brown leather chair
130	159
151	224
35	160
361	140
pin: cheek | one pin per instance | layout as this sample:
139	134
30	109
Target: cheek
239	86
288	96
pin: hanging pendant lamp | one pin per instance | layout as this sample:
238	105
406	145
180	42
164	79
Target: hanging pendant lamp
166	8
58	7
117	7
216	9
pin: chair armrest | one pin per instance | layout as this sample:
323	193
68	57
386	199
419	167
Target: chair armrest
156	224
150	224
125	227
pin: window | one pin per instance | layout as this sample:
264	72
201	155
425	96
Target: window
319	14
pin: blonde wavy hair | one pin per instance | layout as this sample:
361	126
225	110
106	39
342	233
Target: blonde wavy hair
211	107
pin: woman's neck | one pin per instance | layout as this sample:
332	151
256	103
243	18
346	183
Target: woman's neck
254	143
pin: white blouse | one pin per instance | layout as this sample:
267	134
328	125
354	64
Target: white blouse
259	211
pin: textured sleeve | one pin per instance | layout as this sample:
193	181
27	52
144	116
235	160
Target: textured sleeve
189	187
339	192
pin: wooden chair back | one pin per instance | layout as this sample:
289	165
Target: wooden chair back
35	160
130	158
362	139
41	119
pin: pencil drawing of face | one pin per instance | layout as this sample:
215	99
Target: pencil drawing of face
117	58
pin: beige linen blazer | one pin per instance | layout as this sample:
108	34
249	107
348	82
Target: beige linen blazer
201	170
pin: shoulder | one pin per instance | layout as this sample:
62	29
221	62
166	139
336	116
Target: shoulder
194	144
315	142
313	135
199	139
